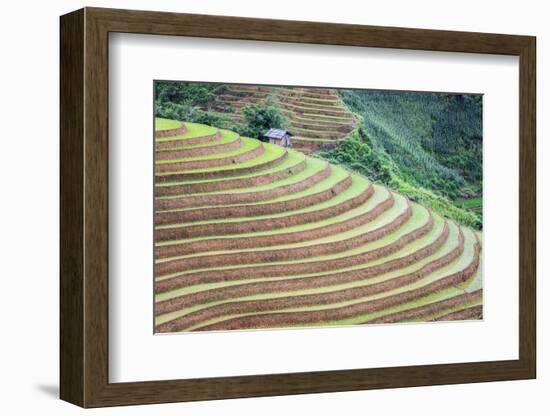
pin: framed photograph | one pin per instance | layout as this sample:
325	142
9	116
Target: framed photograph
255	207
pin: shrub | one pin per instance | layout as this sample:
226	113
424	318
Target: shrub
186	93
259	118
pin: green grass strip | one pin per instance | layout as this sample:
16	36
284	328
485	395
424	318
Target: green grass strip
319	126
358	185
380	194
290	161
226	136
308	117
247	144
322	185
303	98
313	166
451	243
193	130
339	121
424	241
316	107
418	218
476	281
302	104
271	152
387	217
298	130
445	311
298	139
455	266
166	124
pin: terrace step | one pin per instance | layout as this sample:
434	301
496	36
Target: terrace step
333	123
319	305
272	156
441	244
194	134
254	88
234	92
420	224
304	93
168	128
316	118
312	144
294	163
345	306
310	102
301	105
279	239
306	151
471	312
319	91
396	216
330	101
226	141
318	134
314	172
320	192
249	149
380	199
179	299
341	202
302	110
330	127
389	272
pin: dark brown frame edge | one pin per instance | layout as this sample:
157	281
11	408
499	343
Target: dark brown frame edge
84	207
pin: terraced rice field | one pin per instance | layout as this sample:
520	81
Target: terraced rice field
251	235
318	117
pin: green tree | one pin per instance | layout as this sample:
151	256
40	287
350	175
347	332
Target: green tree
259	118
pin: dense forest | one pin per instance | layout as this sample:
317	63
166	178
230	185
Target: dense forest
427	146
436	139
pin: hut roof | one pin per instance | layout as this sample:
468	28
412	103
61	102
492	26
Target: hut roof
277	133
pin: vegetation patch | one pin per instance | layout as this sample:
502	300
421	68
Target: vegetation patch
357	153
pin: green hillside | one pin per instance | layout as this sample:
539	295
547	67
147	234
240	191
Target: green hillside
435	139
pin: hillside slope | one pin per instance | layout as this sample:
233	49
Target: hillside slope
434	138
253	235
317	116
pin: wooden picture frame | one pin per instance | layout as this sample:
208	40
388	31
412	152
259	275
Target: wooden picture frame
84	207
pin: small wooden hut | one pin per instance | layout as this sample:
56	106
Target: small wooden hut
279	136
